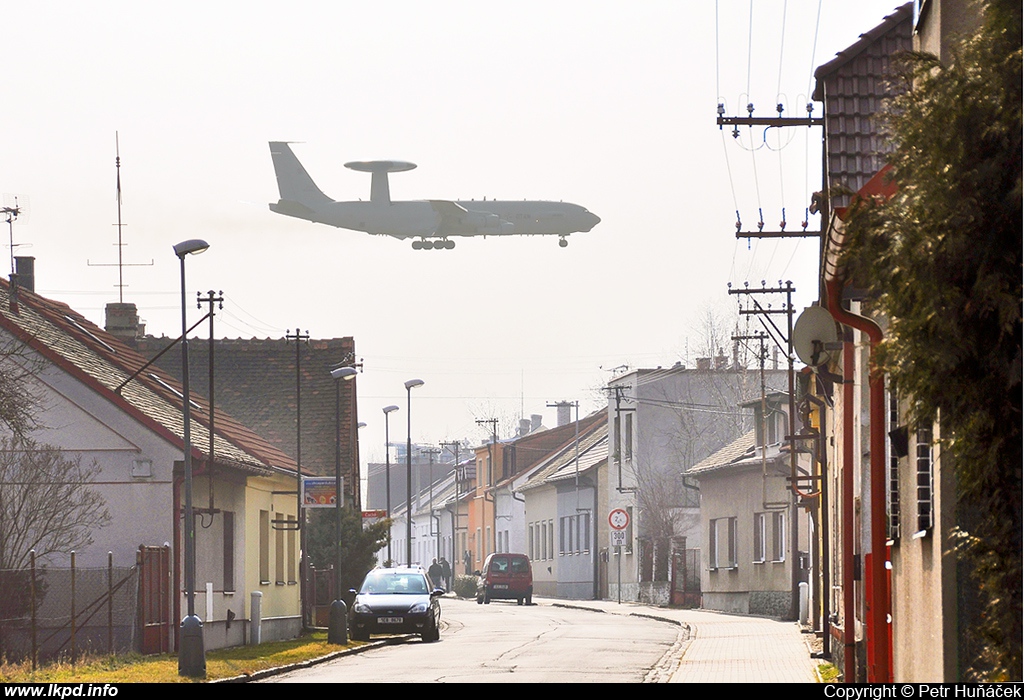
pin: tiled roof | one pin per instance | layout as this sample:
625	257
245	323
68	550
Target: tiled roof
737	451
562	464
254	381
853	86
104	363
539	446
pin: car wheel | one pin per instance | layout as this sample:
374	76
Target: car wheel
487	598
432	634
529	595
519	601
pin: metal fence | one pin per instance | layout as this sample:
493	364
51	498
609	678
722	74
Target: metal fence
48	612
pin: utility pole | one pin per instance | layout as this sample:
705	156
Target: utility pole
454	447
300	515
210	299
767	312
493	422
819	205
431	452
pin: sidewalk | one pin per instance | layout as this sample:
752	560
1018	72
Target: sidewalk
723	647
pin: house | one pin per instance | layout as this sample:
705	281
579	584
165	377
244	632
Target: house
749	512
255	381
561	503
98	401
662	422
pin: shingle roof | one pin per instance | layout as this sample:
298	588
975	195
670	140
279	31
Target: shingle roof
735	452
562	464
103	362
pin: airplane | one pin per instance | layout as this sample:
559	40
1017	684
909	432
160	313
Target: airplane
432	222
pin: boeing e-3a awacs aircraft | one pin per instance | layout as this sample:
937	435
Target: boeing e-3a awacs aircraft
432	222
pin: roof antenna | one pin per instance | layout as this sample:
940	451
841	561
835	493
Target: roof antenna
120	226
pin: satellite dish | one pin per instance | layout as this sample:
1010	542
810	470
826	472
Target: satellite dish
815	336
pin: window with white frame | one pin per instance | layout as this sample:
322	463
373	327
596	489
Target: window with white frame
722	543
779	536
760	541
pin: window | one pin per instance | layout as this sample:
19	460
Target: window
627	439
279	552
897	445
229	551
759	537
543	540
264	547
551	535
722	544
292	555
585	533
925	485
779	536
529	543
629	531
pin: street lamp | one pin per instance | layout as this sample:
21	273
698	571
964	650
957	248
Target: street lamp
409	386
191	652
336	633
388	410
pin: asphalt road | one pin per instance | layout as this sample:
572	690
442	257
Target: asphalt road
509	643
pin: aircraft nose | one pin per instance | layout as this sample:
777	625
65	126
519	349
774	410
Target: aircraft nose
591	220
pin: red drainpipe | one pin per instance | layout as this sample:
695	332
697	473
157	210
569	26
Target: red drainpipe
876	594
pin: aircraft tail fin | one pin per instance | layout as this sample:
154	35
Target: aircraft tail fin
293	182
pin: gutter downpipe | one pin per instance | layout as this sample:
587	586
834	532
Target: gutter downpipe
876	591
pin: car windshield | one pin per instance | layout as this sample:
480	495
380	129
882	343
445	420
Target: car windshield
392	583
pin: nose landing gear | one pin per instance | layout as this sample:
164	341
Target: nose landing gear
562	242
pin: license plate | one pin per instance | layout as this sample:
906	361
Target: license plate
390	620
501	586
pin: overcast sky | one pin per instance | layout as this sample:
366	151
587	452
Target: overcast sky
610	105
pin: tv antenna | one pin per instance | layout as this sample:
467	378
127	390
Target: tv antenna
120	230
11	211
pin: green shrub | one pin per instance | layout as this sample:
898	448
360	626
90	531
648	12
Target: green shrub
465	586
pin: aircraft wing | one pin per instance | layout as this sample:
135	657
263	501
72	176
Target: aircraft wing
456	220
448	209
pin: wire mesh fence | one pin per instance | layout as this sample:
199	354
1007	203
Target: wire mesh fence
47	612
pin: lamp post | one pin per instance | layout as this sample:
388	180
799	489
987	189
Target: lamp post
388	410
409	386
337	632
191	651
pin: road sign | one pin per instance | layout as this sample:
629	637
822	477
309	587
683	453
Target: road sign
618	519
618	538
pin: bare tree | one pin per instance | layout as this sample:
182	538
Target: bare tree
47	503
19	399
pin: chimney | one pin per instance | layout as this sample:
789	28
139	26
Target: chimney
703	363
25	269
721	361
536	420
122	321
524	426
564	413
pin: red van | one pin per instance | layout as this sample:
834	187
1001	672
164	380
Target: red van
506	576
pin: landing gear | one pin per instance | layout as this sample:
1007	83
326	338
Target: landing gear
424	244
562	242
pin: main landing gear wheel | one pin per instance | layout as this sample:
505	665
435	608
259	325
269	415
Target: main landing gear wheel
435	245
562	242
